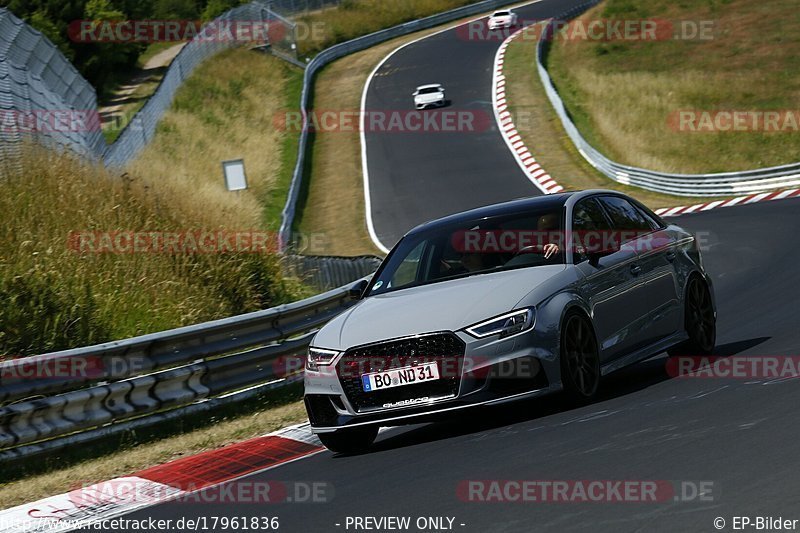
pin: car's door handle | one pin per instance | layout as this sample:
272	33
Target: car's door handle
671	256
636	270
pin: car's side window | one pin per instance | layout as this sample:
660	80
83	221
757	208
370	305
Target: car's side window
625	216
655	221
408	271
587	218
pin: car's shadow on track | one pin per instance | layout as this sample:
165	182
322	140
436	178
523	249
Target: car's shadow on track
621	383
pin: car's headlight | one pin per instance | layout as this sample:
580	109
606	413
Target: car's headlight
504	325
319	357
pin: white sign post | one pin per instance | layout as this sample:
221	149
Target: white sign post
235	178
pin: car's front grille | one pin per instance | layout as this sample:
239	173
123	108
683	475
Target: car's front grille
445	349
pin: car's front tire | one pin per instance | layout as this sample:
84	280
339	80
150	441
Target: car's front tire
580	358
699	321
349	441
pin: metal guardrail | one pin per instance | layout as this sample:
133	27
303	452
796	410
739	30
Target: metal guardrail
715	184
340	50
51	401
327	272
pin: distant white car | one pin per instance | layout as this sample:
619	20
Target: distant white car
503	19
429	96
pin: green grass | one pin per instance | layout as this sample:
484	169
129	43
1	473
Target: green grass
621	94
354	18
544	135
275	199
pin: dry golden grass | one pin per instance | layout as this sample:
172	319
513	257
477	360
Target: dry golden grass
145	455
334	202
622	94
226	110
57	299
545	137
359	17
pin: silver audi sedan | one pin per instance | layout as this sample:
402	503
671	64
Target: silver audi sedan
506	302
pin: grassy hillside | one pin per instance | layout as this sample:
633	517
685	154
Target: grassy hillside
622	94
354	18
541	129
55	298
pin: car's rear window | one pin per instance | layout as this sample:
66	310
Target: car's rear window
429	90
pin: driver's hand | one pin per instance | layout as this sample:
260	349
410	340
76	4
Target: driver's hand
550	250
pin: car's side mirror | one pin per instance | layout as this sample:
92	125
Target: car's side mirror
357	290
415	93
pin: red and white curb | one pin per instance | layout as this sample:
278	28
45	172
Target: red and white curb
170	481
741	200
548	185
538	176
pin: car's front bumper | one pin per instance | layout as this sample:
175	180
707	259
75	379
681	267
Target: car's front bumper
494	371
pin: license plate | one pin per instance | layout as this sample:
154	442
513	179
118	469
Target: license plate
397	377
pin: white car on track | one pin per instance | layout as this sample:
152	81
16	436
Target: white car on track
429	96
503	19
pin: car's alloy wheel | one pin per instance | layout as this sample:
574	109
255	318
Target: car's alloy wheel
580	360
700	322
349	441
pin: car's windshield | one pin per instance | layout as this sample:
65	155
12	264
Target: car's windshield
473	247
429	90
502	14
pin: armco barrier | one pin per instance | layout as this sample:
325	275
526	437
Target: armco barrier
340	50
145	380
718	184
327	272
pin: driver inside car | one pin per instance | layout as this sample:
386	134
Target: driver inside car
548	223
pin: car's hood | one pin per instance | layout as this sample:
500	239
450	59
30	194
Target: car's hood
444	306
432	97
501	20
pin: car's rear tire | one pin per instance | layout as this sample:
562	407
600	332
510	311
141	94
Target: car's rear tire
349	441
699	321
580	358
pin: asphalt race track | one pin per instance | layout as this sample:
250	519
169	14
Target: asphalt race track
739	435
418	176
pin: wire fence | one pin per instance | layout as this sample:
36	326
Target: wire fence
39	88
141	129
43	98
